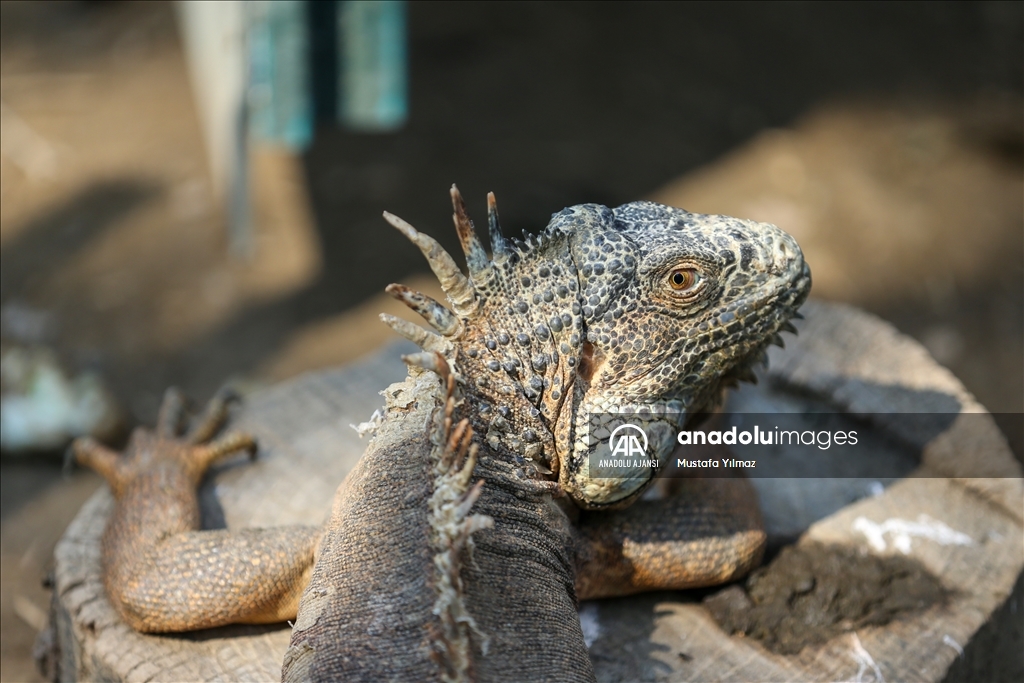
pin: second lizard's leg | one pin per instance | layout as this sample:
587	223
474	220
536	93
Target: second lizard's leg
703	532
163	574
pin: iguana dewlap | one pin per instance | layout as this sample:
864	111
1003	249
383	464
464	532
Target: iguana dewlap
459	545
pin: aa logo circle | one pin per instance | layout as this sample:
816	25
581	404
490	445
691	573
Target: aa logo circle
628	440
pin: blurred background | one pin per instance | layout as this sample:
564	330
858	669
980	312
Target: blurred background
192	196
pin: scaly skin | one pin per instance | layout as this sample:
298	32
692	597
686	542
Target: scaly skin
643	308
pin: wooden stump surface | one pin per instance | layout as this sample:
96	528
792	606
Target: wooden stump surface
848	359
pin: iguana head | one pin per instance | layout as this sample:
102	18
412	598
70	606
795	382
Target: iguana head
642	309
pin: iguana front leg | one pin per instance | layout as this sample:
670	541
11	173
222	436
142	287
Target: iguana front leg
702	533
160	571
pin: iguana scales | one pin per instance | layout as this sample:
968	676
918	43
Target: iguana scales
459	545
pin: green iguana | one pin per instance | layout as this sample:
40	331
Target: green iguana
458	547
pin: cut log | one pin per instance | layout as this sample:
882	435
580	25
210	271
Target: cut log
843	358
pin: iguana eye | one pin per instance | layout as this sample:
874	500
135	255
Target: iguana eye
682	279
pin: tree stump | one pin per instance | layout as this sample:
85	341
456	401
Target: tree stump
843	358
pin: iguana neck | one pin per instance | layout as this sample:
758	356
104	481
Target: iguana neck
520	356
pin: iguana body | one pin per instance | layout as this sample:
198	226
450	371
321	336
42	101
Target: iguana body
460	544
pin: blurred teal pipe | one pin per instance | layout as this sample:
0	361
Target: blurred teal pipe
372	65
280	96
372	69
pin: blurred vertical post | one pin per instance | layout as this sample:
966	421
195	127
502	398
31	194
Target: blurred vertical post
249	64
214	39
372	65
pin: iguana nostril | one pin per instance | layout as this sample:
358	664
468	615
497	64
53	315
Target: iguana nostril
588	361
783	250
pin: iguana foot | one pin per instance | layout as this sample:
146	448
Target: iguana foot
194	451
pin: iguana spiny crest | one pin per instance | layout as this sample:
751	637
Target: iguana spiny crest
642	309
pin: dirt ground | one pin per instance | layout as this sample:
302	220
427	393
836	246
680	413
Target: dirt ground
889	140
812	593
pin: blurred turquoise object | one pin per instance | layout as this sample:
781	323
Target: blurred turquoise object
372	65
279	97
